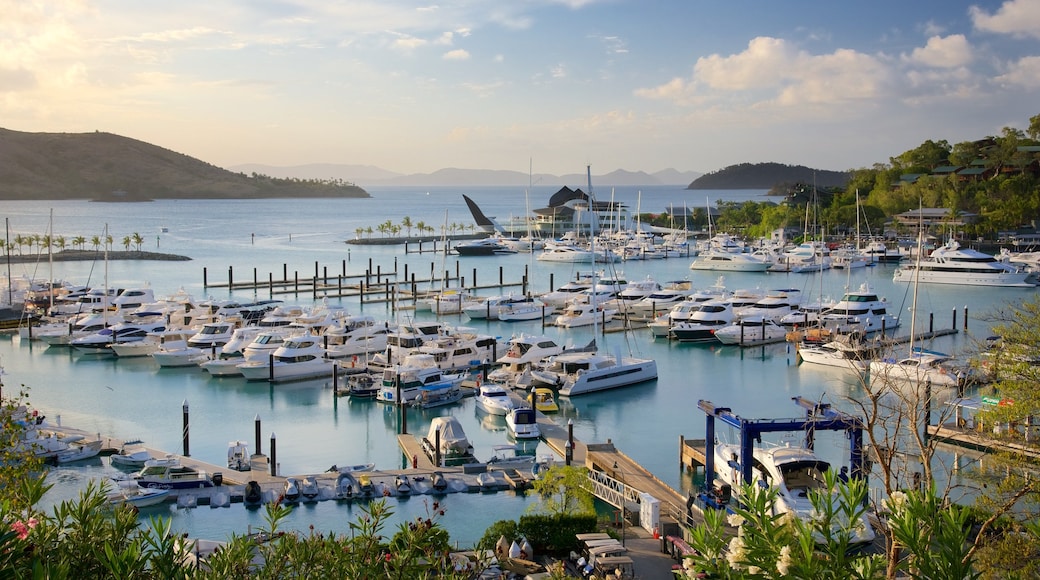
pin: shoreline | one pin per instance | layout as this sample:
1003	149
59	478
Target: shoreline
87	255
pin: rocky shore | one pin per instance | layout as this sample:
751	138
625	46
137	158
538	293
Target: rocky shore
86	255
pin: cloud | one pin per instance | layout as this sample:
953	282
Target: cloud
950	52
772	71
16	79
559	71
457	54
1015	17
407	43
1024	73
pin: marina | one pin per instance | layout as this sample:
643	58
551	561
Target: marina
636	428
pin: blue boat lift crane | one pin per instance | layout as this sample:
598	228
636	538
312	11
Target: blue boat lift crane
818	417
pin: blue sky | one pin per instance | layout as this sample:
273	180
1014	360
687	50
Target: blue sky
557	84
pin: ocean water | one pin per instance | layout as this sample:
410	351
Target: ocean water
134	399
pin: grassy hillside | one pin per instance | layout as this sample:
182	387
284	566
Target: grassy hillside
104	166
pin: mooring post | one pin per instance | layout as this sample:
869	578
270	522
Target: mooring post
931	322
954	326
254	280
204	275
270	368
256	429
437	447
270	284
274	456
500	276
570	440
285	272
551	287
184	433
965	317
475	277
230	277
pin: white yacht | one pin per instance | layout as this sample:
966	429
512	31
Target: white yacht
793	472
356	336
533	310
461	348
523	423
214	335
576	315
493	399
720	260
773	306
299	357
701	325
101	342
488	308
804	258
836	353
175	350
919	367
408	378
578	373
232	353
952	264
751	331
524	352
860	311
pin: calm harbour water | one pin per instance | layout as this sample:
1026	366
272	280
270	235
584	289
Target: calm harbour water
134	399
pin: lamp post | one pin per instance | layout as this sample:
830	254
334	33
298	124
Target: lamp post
623	514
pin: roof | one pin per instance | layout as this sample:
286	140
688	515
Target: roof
946	169
972	171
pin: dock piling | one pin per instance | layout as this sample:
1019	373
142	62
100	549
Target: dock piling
184	433
274	457
256	429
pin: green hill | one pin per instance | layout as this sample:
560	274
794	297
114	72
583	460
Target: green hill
766	176
104	166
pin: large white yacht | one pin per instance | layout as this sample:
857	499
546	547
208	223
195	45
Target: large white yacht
952	264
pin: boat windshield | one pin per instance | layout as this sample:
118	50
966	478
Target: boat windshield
802	476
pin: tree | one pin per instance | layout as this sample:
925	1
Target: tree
127	240
138	240
407	223
95	241
1034	128
563	489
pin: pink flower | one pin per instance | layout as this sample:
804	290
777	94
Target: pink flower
22	529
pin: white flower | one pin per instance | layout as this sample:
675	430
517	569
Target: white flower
783	565
754	570
735	520
736	553
895	502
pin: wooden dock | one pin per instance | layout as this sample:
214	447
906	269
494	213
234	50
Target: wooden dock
969	438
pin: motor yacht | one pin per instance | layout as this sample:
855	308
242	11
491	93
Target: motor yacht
583	314
524	352
232	353
701	325
101	342
773	306
579	373
489	308
214	335
536	309
952	264
402	383
493	399
175	350
523	423
921	366
356	336
793	472
751	331
299	357
861	311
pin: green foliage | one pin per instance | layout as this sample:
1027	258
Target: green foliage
501	529
563	489
555	534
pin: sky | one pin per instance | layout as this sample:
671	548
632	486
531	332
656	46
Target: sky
543	85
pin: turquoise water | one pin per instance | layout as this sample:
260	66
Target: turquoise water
134	399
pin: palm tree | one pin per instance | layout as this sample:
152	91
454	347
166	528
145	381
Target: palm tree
79	241
3	246
421	226
60	242
358	231
407	223
368	231
126	242
108	241
96	242
138	240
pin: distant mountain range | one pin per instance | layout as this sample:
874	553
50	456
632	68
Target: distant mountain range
365	175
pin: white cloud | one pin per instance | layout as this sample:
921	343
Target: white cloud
950	52
457	54
559	71
445	39
1015	17
1024	73
408	43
